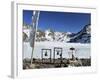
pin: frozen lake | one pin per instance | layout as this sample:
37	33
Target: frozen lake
81	50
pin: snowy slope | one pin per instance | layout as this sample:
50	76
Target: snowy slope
81	50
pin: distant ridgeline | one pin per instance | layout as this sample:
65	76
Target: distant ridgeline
83	36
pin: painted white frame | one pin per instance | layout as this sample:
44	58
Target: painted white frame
17	70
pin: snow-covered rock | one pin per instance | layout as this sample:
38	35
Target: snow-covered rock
50	35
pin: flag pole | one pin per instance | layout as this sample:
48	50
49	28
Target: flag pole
35	19
32	56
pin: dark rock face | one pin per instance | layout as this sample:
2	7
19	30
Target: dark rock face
84	36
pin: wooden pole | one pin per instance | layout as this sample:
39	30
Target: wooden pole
32	56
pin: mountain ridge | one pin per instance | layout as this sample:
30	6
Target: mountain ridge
83	36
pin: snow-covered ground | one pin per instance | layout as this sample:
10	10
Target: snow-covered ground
81	50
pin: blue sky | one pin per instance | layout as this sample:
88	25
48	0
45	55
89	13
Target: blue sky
59	21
